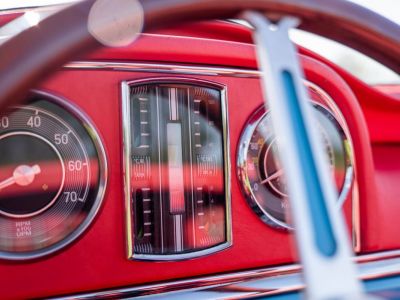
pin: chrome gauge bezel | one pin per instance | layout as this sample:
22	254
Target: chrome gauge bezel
126	153
102	184
251	125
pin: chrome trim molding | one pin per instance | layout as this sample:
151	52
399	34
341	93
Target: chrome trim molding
103	178
246	284
163	68
126	128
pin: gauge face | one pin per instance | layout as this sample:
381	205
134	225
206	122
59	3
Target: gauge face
177	169
52	177
261	173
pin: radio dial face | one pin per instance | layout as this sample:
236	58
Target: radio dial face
178	193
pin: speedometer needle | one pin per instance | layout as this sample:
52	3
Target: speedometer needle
23	175
273	176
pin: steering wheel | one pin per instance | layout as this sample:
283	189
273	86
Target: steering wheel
38	51
87	25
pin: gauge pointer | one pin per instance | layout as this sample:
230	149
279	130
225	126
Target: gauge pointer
273	176
23	175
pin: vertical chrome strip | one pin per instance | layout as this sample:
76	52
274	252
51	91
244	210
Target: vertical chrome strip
178	233
174	116
126	121
320	228
159	167
191	165
227	164
174	105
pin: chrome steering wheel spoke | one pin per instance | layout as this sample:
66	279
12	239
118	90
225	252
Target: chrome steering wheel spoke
320	228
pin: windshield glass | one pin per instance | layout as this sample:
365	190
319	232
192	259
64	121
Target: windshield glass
354	62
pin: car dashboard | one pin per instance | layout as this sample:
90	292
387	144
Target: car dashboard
153	170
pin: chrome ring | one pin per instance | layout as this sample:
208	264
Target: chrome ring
243	146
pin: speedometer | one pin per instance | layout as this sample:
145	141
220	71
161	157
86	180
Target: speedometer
260	169
52	177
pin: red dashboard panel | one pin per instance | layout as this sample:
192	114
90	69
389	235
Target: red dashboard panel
97	260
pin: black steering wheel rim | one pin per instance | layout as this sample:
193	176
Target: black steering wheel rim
39	51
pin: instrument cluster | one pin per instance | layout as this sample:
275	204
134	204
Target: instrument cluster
53	170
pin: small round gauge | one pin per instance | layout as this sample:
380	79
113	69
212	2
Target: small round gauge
52	177
260	170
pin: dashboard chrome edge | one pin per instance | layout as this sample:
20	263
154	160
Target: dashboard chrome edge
246	284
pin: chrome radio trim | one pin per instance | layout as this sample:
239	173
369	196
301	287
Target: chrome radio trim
245	284
243	145
126	128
